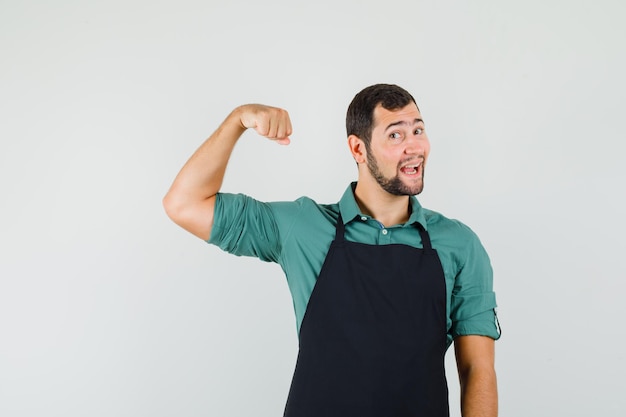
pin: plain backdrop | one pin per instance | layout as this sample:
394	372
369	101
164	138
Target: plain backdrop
109	309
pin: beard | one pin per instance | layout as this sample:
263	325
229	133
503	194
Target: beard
393	185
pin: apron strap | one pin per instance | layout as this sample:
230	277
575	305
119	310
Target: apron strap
339	229
425	237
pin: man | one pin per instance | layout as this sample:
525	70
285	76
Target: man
386	285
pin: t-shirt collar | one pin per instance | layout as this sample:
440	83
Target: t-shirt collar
350	209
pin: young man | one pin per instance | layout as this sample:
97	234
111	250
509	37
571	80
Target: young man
386	285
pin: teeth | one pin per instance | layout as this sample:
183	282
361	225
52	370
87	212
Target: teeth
412	168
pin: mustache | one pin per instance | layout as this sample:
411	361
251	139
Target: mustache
412	159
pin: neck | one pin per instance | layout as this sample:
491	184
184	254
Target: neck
387	208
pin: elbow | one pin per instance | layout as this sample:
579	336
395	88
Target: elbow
194	216
173	207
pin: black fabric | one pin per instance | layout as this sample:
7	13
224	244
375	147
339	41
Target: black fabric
373	339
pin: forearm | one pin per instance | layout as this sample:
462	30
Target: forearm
202	175
191	198
479	392
475	359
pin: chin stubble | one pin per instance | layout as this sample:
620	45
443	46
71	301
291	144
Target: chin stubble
393	185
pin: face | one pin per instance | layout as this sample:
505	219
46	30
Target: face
398	150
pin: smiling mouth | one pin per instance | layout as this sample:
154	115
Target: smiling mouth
411	169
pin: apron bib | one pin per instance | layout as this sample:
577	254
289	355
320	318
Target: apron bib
373	338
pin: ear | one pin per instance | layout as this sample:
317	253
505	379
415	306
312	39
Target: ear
357	149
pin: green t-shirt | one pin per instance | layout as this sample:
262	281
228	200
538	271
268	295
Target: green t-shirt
297	236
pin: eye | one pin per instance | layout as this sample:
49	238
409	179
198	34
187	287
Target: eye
395	135
419	130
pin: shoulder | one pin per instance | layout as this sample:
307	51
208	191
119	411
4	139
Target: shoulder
305	204
232	201
438	224
454	238
286	214
305	214
306	229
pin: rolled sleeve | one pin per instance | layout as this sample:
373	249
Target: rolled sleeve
473	304
483	323
244	226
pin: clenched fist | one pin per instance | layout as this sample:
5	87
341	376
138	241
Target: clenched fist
270	122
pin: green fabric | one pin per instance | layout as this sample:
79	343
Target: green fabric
297	235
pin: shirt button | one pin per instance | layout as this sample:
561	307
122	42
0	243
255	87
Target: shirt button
384	231
363	218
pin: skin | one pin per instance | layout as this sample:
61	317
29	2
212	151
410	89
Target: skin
190	201
384	185
475	364
398	139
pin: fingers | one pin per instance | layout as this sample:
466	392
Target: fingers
283	141
271	122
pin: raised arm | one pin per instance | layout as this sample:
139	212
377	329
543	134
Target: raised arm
477	375
191	198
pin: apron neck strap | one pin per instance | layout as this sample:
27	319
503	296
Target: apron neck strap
425	237
340	229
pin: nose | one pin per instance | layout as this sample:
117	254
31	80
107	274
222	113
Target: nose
415	146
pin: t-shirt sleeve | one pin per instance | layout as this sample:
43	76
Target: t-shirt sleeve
473	304
244	226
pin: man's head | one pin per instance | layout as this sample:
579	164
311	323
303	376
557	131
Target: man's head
360	116
387	138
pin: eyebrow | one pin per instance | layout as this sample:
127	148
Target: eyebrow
403	123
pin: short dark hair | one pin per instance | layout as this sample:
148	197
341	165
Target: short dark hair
360	116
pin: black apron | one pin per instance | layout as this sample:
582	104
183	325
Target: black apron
373	338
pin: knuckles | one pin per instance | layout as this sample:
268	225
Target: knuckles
270	122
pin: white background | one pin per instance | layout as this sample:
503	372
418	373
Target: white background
109	309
